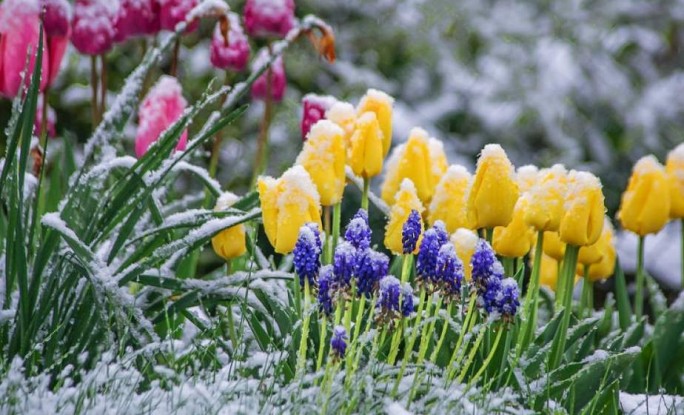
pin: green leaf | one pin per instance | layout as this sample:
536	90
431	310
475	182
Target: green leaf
624	308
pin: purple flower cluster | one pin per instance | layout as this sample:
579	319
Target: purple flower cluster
338	343
437	264
449	272
496	294
485	265
370	267
325	290
344	262
394	300
358	233
411	231
307	254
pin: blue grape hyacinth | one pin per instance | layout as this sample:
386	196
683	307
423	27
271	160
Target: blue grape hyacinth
307	254
338	342
411	231
449	271
484	264
408	302
344	262
325	290
509	301
357	232
426	261
370	267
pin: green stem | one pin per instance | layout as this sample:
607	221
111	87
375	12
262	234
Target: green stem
587	301
529	325
94	90
464	328
337	217
301	356
568	279
411	343
681	244
321	345
103	87
425	331
364	195
487	359
427	334
442	336
471	355
262	141
639	297
489	233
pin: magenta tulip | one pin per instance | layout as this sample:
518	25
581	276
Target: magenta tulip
93	26
234	55
174	12
137	18
313	109
269	18
277	78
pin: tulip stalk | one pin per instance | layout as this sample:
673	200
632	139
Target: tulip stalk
364	195
530	306
94	85
639	296
464	328
411	343
262	141
103	86
443	334
301	356
566	283
587	299
681	243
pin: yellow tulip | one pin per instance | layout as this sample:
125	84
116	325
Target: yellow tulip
465	242
553	246
379	103
230	242
514	240
420	159
344	115
645	205
547	199
526	176
582	221
675	171
406	201
600	256
288	203
548	273
494	191
449	201
324	157
365	154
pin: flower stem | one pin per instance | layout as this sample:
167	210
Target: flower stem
586	302
321	344
529	325
681	243
174	58
94	88
218	138
639	296
464	328
301	356
428	328
337	218
410	344
262	141
471	355
567	279
487	359
103	87
364	195
489	233
442	336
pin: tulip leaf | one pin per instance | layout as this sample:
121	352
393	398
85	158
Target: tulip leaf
624	308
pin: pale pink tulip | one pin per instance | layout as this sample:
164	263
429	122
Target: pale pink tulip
93	26
313	109
163	105
269	18
137	18
234	55
277	78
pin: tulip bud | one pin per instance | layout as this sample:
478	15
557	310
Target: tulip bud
136	18
547	199
449	201
645	205
234	55
548	272
276	73
675	172
365	147
163	106
526	176
57	17
288	203
324	157
173	12
269	18
582	221
381	104
600	256
406	201
421	159
515	239
313	109
465	241
344	115
230	242
553	246
494	191
93	26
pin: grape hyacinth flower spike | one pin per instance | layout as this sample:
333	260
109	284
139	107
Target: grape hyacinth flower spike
449	272
485	265
388	306
325	290
509	301
411	231
358	233
371	266
338	343
307	254
408	303
426	262
344	263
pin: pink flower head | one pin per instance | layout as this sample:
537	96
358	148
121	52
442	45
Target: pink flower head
269	18
136	18
51	119
174	12
276	75
93	26
19	36
234	55
162	106
57	18
313	109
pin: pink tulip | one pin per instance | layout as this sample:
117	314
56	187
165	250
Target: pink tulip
162	106
93	26
234	55
136	18
51	119
277	78
19	35
174	12
57	18
313	109
269	18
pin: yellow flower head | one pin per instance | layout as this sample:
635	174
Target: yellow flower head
548	273
230	242
344	115
515	239
324	157
675	172
547	199
465	242
288	203
553	246
494	191
379	103
420	159
526	176
600	256
584	208
645	205
406	201
449	201
365	154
